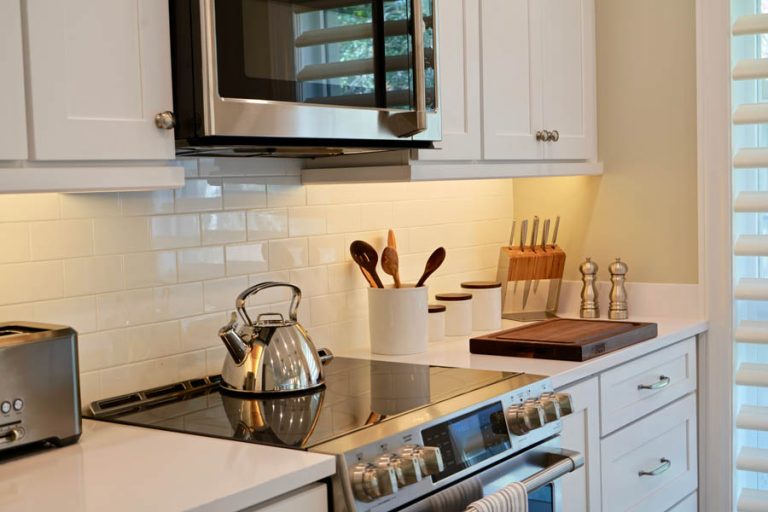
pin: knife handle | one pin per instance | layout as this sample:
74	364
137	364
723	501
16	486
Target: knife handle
545	235
523	234
512	235
534	233
554	234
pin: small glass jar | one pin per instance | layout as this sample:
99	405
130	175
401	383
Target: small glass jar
436	322
486	304
458	313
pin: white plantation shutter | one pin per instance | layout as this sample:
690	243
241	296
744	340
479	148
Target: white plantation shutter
750	249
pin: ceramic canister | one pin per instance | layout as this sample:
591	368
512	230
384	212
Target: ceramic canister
486	304
458	313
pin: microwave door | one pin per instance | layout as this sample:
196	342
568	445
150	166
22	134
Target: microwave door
329	69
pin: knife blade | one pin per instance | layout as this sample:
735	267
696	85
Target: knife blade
523	235
534	236
544	237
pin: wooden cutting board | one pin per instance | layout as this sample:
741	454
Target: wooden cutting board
565	339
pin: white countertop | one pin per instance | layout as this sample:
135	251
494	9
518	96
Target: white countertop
122	468
455	352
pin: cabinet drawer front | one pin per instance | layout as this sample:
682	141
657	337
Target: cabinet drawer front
312	498
663	443
689	504
670	373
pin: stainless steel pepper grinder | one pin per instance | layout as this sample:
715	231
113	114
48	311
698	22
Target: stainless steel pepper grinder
589	306
617	309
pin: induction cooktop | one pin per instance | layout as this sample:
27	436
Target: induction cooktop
357	393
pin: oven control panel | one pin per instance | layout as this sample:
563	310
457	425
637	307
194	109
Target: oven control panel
395	470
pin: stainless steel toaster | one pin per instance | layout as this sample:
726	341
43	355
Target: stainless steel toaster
39	385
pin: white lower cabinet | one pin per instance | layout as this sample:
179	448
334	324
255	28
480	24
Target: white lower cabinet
651	465
581	432
312	498
689	504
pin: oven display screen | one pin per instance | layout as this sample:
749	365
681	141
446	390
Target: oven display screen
469	439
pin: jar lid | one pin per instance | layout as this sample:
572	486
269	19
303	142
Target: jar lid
480	285
451	297
436	308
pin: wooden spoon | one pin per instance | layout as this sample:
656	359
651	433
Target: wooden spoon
367	257
390	262
391	241
433	263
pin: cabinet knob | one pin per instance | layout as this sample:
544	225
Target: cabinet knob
165	120
543	135
554	136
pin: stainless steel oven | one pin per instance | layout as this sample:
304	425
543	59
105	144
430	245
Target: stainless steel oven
334	75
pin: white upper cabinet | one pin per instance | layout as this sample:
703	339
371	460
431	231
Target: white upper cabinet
511	92
99	71
13	127
458	65
538	79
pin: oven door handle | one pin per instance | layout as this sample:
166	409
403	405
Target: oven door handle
563	462
407	124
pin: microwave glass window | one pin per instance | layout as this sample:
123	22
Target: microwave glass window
328	52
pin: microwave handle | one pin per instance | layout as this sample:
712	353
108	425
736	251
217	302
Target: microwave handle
407	124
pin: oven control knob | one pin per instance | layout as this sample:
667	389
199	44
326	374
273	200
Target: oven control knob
525	417
566	404
429	458
551	406
370	482
407	469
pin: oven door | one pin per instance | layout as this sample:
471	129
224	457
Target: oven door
319	69
539	469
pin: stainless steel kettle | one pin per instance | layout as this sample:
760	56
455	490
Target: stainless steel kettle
271	355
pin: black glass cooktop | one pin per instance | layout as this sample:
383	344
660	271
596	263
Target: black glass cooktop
357	392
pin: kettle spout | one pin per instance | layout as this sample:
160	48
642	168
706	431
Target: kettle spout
238	348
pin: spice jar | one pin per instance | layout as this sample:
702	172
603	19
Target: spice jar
486	304
436	322
458	313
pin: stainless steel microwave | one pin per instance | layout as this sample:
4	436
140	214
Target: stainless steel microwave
304	77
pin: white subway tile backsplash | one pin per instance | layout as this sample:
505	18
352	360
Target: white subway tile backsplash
150	269
148	278
15	242
59	239
26	207
267	224
147	203
220	294
247	258
200	263
287	254
198	196
242	193
307	220
97	274
174	231
223	227
117	236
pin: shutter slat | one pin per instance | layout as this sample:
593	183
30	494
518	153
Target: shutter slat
752	289
752	500
751	158
750	69
752	374
752	417
752	113
752	459
751	332
751	245
751	202
355	67
750	25
353	32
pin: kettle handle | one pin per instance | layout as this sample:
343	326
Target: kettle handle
295	299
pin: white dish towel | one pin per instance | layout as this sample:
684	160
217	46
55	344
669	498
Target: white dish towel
512	498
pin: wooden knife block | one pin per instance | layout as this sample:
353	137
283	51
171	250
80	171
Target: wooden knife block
536	269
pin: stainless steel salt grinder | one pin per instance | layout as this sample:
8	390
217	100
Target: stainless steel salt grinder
589	306
617	310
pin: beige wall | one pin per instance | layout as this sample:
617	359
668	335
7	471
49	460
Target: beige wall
644	207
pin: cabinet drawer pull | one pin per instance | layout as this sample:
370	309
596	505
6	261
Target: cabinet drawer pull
661	468
660	384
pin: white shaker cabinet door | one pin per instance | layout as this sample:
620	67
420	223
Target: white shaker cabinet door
13	127
511	97
568	78
581	432
99	72
458	66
